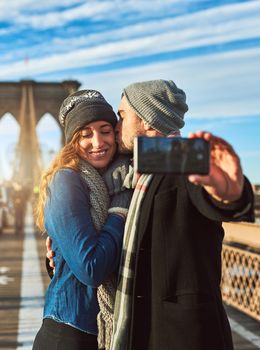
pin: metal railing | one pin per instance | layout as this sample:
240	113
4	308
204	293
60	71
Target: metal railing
240	283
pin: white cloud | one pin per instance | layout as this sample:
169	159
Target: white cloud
22	10
47	15
220	85
184	32
17	7
170	34
217	84
60	18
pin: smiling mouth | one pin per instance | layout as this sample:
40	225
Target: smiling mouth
98	154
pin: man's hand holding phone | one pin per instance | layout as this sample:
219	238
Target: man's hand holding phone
206	159
225	180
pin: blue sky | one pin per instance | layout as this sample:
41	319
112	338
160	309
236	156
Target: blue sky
211	49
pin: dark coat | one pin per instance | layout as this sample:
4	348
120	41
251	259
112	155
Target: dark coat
177	300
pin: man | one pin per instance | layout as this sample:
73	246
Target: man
168	294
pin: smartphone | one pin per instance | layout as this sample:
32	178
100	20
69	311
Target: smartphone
175	155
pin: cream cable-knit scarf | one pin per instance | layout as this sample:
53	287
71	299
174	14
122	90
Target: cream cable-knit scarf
100	201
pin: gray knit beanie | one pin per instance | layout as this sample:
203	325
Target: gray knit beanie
160	103
84	107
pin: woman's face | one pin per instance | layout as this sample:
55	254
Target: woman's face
97	144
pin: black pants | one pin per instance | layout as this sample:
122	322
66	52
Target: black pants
59	336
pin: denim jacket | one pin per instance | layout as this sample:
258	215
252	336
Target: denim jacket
83	258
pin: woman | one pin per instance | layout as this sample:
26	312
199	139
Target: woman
85	228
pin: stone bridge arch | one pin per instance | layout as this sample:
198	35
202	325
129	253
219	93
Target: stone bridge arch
28	101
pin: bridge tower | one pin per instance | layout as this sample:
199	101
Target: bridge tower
28	101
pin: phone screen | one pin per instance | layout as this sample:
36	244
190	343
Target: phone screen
171	155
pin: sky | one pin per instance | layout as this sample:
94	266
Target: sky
210	49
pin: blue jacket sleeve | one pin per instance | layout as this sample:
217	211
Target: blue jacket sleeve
91	256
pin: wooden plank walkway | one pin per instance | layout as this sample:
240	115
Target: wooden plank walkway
15	308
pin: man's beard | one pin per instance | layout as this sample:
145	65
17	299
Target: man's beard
122	148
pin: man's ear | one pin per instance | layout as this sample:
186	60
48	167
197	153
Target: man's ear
146	126
149	130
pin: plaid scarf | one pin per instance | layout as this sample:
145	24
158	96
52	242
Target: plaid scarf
124	294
